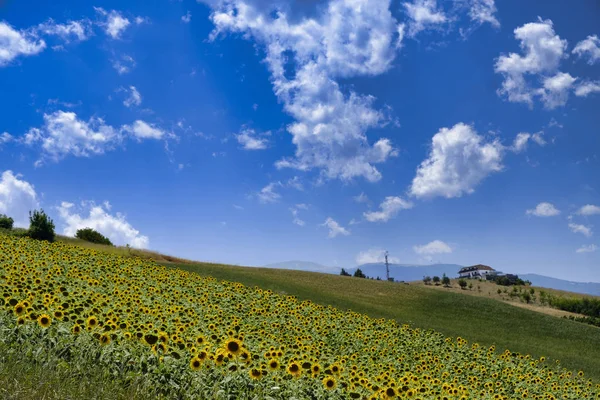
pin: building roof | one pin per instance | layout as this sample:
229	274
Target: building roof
478	267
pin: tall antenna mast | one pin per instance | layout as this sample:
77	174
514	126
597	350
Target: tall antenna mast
387	266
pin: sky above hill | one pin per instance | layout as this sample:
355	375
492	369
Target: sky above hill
252	132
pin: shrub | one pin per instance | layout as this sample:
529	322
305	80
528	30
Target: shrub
436	280
445	281
41	227
6	222
91	235
344	273
359	274
427	280
462	283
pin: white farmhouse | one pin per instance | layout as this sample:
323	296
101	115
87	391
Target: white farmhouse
476	271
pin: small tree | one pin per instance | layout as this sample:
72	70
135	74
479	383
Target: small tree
436	280
6	222
41	227
527	297
462	283
427	280
93	236
470	285
445	281
344	273
359	274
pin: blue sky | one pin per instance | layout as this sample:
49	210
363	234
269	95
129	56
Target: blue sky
252	132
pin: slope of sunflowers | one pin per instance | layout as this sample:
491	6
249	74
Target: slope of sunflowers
178	334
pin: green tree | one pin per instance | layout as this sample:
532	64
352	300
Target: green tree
427	280
462	283
6	222
93	236
359	274
445	281
436	280
41	227
344	273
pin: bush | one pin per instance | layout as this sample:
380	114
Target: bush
462	283
359	274
445	281
344	273
41	226
6	222
91	235
436	280
427	280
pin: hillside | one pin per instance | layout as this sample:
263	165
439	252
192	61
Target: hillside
592	288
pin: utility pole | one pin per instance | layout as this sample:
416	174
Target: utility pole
387	266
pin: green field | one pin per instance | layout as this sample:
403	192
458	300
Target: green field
477	319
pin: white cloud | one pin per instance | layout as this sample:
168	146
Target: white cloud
134	97
186	18
17	198
543	51
589	209
295	210
114	24
361	198
587	87
538	138
268	193
63	133
335	228
587	249
520	142
459	160
348	39
543	209
374	255
579	228
482	11
249	140
389	208
78	30
124	65
295	183
6	137
589	47
423	14
15	43
435	247
115	227
143	130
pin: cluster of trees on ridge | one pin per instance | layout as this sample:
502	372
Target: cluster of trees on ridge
41	227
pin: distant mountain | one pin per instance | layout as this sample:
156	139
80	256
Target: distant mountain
592	288
304	266
408	272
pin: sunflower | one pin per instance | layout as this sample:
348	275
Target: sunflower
329	383
390	393
195	364
104	339
273	365
233	346
19	309
44	321
255	373
76	329
294	369
92	322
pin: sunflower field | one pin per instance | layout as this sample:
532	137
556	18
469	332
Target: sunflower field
193	337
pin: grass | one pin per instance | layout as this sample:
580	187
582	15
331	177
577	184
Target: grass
477	319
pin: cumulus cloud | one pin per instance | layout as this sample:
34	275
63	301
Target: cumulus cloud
6	137
335	229
458	161
388	209
124	64
72	30
143	130
589	48
587	249
374	255
482	11
434	247
586	88
580	228
114	23
522	139
17	198
589	209
186	18
63	133
543	209
542	51
250	140
15	43
347	39
423	14
134	98
115	227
